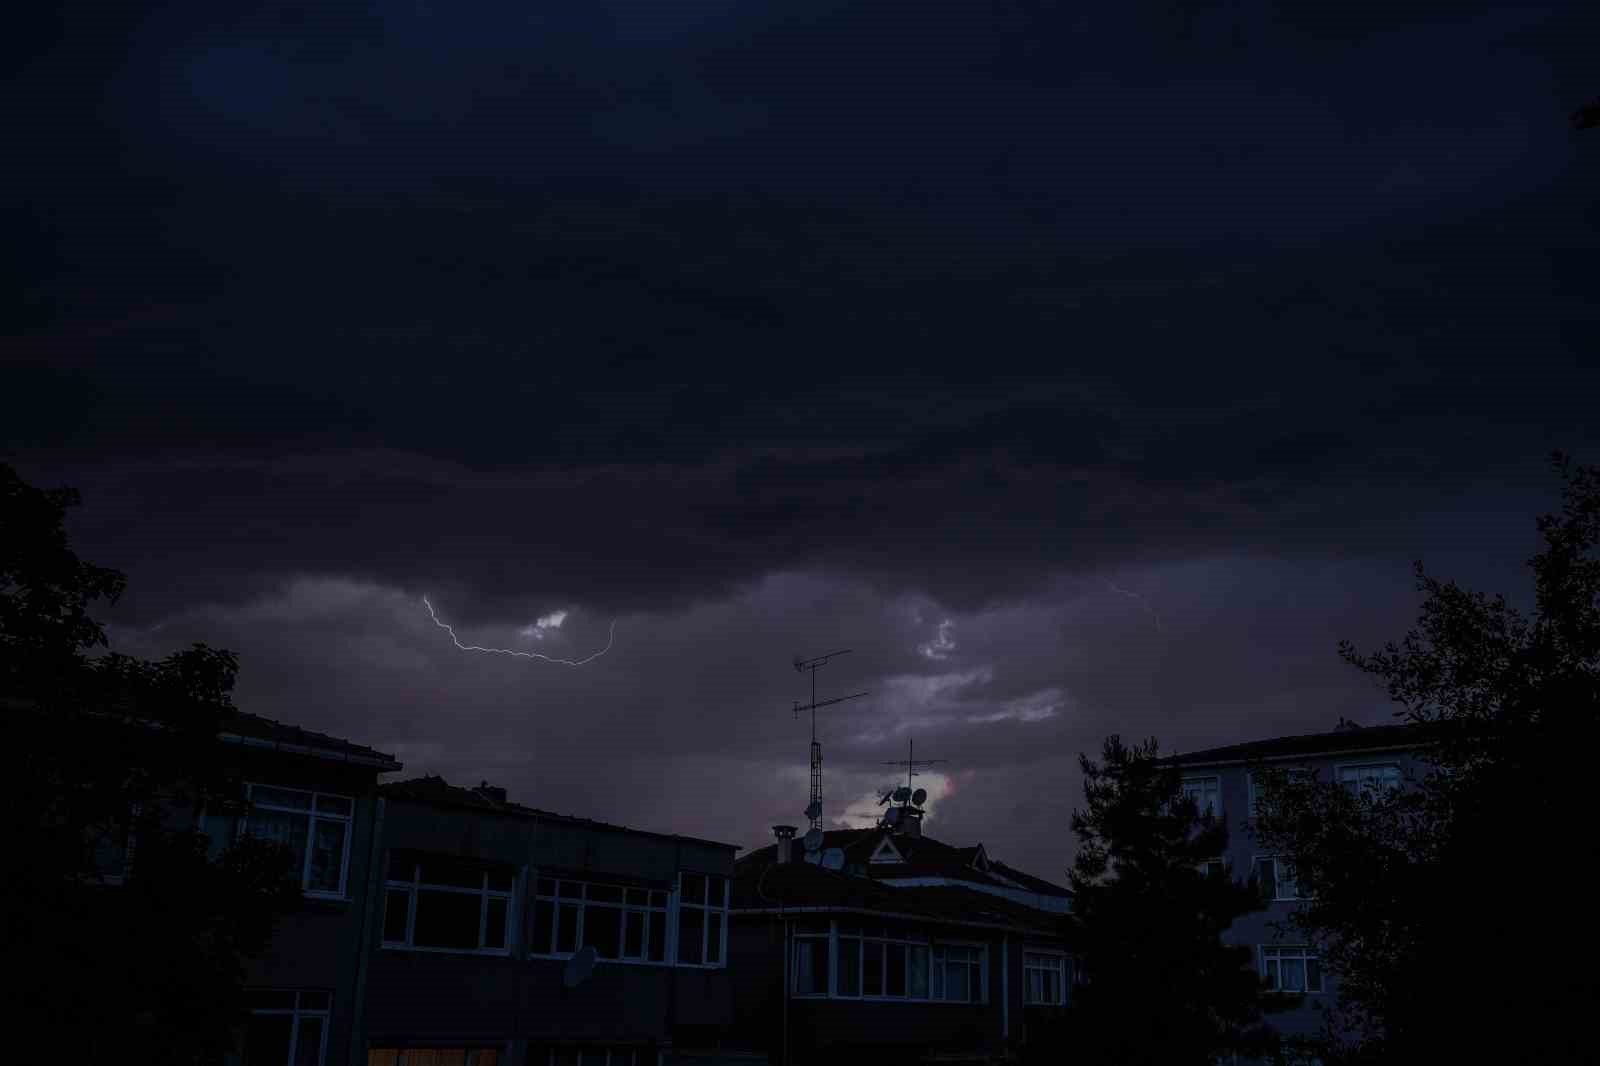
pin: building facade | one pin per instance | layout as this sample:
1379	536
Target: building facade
1222	780
896	947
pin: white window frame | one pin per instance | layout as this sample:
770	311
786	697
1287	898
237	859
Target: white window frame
1278	878
713	911
416	886
652	914
1362	782
1200	779
1271	958
937	955
829	940
313	816
297	1011
1055	963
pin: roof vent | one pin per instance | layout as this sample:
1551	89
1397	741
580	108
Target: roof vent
1345	725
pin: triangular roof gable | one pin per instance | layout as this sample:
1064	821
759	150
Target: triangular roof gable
886	851
980	861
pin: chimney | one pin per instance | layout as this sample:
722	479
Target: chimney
493	793
785	835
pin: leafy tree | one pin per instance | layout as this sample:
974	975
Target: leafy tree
131	934
1160	984
1454	910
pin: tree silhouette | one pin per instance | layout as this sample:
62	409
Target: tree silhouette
131	935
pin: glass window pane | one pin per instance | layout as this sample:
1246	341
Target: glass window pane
446	920
936	982
547	886
1313	975
593	1057
266	1039
605	893
572	890
289	830
334	805
895	970
849	967
1267	877
327	856
280	797
395	903
602	929
917	972
308	1045
633	935
567	929
658	899
872	968
716	891
544	921
693	887
810	966
402	866
958	986
456	873
494	924
691	928
638	897
714	938
501	879
1294	974
658	936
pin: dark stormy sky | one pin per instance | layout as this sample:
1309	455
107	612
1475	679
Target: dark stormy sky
1083	367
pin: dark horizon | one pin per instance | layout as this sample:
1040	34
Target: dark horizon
1083	371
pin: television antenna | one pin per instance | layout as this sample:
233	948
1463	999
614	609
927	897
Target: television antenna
904	794
811	666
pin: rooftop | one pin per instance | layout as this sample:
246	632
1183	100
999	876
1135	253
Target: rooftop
1349	737
435	790
282	735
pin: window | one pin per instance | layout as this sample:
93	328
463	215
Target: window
702	919
1291	969
1045	979
1277	880
1214	868
447	904
811	959
286	1028
881	962
315	826
435	1056
958	974
1374	776
588	1055
1206	793
1296	775
621	922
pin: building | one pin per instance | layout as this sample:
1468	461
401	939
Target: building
1222	780
885	944
506	934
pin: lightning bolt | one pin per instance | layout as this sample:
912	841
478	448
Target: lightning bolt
512	651
1155	615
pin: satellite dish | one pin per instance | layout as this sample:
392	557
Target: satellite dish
833	859
814	857
579	967
813	840
891	816
902	794
814	810
919	796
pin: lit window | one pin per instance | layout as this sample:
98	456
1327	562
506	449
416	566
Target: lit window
286	1028
1291	969
1045	979
588	1055
1206	793
314	826
447	904
620	922
702	919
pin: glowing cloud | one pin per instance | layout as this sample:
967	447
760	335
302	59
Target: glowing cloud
942	644
560	616
550	621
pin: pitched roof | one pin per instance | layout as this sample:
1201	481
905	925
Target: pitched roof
435	790
1350	738
285	737
803	886
922	856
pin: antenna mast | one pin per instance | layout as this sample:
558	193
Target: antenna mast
811	666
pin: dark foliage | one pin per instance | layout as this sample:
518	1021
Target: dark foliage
1454	910
1160	985
130	931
